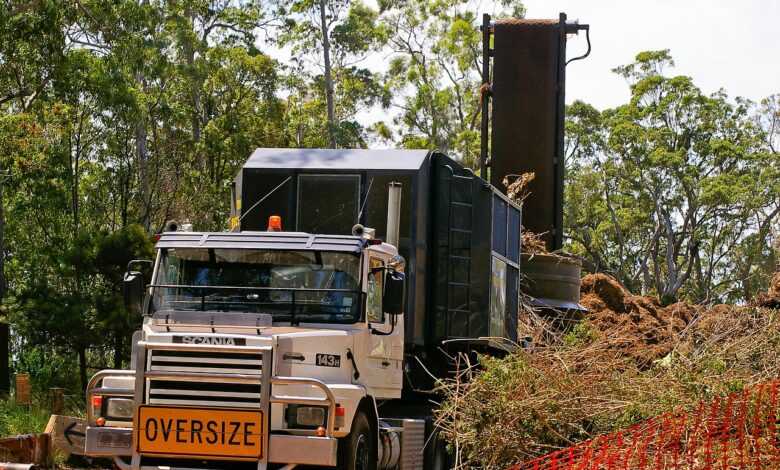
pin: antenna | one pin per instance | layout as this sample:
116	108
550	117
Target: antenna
264	198
365	199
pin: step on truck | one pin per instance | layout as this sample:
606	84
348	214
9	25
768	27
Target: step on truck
312	332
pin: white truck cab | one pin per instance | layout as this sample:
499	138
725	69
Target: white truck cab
257	346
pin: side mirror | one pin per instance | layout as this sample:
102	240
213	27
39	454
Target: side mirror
133	290
393	300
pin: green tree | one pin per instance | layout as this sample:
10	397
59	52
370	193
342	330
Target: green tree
32	43
435	72
336	36
113	251
100	134
673	190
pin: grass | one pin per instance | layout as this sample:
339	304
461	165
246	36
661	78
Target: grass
19	419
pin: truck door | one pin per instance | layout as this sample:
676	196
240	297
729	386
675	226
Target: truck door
385	344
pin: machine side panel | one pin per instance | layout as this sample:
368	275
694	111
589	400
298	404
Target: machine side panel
480	266
461	215
527	81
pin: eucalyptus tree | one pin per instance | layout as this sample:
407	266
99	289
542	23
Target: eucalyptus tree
32	44
671	190
435	72
335	37
199	27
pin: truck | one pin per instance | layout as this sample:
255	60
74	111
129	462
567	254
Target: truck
266	347
316	329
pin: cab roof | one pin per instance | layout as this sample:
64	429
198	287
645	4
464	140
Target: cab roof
337	159
261	240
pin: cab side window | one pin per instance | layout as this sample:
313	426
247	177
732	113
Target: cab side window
375	289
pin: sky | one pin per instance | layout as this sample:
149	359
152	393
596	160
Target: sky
722	44
734	45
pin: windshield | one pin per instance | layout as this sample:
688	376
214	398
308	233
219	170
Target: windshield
294	286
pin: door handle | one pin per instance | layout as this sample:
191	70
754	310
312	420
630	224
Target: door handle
293	357
385	363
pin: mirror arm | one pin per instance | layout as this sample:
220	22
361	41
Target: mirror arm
147	300
376	332
138	261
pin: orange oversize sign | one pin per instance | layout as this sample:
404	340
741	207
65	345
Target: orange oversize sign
200	432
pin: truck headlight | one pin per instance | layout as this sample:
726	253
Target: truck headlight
305	417
119	408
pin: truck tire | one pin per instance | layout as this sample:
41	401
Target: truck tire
440	459
357	450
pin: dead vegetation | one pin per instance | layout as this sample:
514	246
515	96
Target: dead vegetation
517	186
532	243
517	190
629	359
770	299
636	326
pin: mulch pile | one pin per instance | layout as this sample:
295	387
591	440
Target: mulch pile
640	328
636	326
771	298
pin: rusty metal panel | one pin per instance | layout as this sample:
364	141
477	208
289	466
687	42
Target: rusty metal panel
527	90
27	448
23	390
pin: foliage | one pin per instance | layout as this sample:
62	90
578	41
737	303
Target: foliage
675	192
435	73
16	419
335	36
117	116
509	410
46	367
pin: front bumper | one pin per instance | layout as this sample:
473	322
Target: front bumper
304	448
282	448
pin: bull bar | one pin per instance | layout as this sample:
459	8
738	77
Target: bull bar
322	450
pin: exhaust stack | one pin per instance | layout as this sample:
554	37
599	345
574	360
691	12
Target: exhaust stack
394	213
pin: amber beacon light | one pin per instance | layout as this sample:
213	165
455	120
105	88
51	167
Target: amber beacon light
274	223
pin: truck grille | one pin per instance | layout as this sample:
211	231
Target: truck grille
204	392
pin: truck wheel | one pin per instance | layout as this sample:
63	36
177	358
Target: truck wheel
440	460
357	450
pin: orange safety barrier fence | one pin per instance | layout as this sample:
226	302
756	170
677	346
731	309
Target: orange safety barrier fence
738	431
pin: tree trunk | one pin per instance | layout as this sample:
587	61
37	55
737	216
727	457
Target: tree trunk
3	283
141	154
189	54
328	75
83	367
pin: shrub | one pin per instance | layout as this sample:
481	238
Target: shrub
533	402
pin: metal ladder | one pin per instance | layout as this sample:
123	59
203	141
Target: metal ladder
463	186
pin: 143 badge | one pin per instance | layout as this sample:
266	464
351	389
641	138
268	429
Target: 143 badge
328	360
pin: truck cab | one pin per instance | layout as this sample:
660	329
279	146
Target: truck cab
275	345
